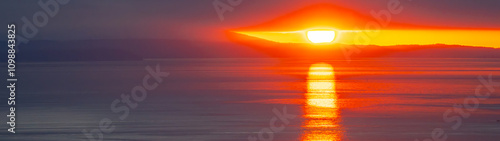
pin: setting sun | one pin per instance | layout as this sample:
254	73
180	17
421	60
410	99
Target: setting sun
323	36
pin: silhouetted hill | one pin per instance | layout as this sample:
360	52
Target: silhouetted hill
115	50
122	50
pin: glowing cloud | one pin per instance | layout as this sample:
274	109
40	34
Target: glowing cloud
301	27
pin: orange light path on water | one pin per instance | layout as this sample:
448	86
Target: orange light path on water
476	38
321	109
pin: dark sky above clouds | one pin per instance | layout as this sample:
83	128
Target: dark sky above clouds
198	20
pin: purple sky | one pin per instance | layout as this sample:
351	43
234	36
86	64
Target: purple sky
197	19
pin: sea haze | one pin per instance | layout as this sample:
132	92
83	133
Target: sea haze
232	98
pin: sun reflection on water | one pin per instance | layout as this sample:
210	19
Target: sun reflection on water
321	109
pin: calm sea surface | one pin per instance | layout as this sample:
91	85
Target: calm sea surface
261	99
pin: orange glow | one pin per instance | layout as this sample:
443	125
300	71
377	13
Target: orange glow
481	38
352	28
322	110
279	37
478	38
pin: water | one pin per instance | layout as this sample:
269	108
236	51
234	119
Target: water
233	99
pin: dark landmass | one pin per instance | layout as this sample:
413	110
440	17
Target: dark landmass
127	50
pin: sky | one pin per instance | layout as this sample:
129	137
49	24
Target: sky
198	19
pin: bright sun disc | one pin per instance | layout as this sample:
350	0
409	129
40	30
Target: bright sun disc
321	36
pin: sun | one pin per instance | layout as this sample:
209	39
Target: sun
321	36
